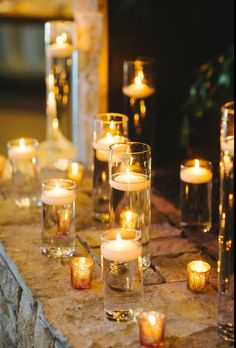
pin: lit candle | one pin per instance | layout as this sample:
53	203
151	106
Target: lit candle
61	48
130	181
58	196
102	145
21	150
121	250
75	172
196	174
152	329
81	272
128	219
138	89
198	274
63	222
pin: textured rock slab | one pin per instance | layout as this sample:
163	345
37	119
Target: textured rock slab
174	267
171	246
164	230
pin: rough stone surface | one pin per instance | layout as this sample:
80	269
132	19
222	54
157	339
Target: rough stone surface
40	309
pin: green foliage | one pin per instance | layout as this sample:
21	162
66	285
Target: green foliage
213	87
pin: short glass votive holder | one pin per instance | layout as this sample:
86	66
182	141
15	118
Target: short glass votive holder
58	218
81	272
152	329
121	252
75	172
130	190
196	195
108	129
24	162
198	274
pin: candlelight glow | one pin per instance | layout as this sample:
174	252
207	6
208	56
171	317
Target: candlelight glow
55	123
152	319
60	40
22	143
118	236
197	166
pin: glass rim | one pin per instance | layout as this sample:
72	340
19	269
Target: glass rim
190	163
58	22
202	262
28	141
142	60
71	184
137	234
229	106
145	314
147	150
99	117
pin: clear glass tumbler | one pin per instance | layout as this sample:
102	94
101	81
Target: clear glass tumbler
130	190
121	252
108	129
226	235
61	61
58	218
24	162
196	195
139	102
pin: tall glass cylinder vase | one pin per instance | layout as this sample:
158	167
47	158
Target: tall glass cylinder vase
226	235
138	91
130	182
61	61
108	129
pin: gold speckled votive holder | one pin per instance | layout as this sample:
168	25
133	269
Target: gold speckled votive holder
152	329
198	274
81	272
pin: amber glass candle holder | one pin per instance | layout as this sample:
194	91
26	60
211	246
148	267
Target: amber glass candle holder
81	272
198	274
152	329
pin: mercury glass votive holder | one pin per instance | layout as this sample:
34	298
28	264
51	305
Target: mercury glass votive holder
130	190
196	195
75	172
198	274
152	329
81	272
108	129
23	156
58	218
121	253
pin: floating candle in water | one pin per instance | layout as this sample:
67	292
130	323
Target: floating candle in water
58	195
19	150
102	145
139	89
130	181
121	250
61	48
196	174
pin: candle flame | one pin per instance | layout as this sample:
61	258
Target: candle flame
196	166
118	236
74	168
57	185
60	40
138	81
152	319
55	123
112	125
22	143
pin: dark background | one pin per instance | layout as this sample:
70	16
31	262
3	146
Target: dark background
181	36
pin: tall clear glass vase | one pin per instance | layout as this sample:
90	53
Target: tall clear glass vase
226	235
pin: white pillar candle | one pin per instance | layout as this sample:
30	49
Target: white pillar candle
138	89
121	250
58	196
130	181
102	146
196	174
60	49
22	151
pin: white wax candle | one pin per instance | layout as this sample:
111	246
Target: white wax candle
102	146
196	174
58	196
130	182
228	146
60	50
22	151
121	250
138	91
